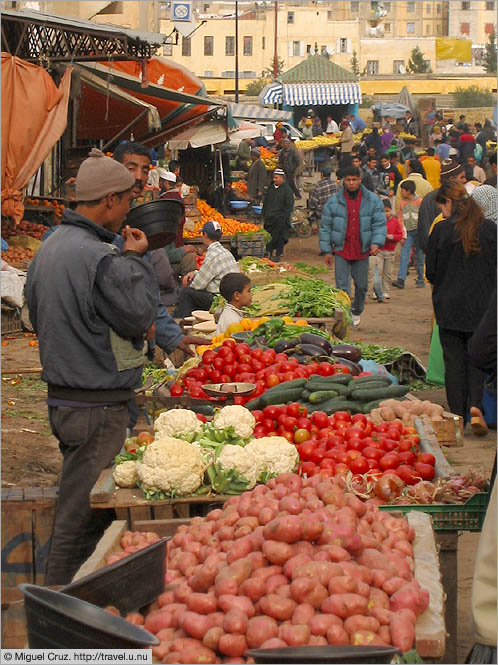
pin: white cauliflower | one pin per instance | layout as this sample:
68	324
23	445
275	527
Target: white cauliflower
125	474
177	423
238	417
243	460
274	454
171	464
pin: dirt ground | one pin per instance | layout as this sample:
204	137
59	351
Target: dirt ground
30	455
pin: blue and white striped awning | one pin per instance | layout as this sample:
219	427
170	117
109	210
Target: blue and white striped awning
312	94
257	113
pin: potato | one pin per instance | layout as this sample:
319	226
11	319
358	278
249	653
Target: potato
304	590
286	529
283	591
385	634
311	529
320	623
411	597
233	645
215	620
393	584
242	603
165	598
337	553
259	630
345	605
343	584
155	621
279	608
360	622
303	613
197	655
239	550
378	598
387	414
172	657
268	571
253	588
323	571
337	636
365	638
235	622
291	504
277	552
382	615
195	625
354	569
212	637
274	582
202	603
135	618
295	635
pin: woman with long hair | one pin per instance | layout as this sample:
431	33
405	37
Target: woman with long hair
461	266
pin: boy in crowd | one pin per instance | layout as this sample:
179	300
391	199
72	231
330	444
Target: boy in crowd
384	260
408	210
236	289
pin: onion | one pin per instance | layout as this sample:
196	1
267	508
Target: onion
388	487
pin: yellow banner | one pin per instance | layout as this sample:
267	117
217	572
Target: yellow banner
453	49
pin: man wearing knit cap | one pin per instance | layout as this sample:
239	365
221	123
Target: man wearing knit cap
452	171
91	306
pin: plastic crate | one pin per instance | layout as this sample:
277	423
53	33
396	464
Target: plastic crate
251	244
467	516
11	321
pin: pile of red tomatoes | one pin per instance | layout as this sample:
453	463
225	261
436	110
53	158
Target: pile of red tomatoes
339	443
234	362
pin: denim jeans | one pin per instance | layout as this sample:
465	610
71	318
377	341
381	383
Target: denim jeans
358	270
411	239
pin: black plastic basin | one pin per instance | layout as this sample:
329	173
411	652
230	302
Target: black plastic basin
158	220
58	621
324	654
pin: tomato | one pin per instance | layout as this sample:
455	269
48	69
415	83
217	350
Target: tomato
413	438
359	419
364	374
230	343
425	471
243	349
258	415
327	463
393	433
355	433
341	369
312	368
268	424
306	468
405	445
208	356
341	468
176	390
398	424
300	372
373	465
355	444
389	461
304	423
259	432
257	365
382	427
326	369
295	410
342	458
325	433
407	457
409	430
372	453
301	435
405	472
286	434
218	363
226	379
230	370
272	380
201	417
244	368
352	455
215	376
196	392
426	458
343	416
373	475
390	445
280	358
267	357
272	412
320	419
317	455
306	450
225	352
240	400
290	423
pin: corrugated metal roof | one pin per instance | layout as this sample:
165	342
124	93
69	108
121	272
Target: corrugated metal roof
317	69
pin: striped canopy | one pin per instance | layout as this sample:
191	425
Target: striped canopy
312	94
255	112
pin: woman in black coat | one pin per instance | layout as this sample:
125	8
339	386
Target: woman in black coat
461	266
373	141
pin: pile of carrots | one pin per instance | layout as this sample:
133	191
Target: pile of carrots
229	226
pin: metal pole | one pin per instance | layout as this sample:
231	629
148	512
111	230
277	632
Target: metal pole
236	52
275	56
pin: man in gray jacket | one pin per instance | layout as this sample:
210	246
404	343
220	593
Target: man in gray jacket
91	306
353	227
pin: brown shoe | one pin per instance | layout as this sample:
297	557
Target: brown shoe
477	422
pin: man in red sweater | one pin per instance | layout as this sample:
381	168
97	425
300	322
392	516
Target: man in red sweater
383	261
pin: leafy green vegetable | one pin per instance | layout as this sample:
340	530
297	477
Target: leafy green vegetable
158	374
130	457
379	354
407	658
312	298
311	270
220	302
276	329
252	262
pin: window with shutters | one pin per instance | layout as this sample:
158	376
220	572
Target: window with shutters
398	66
247	45
465	6
427	29
387	7
209	74
428	9
490	6
438	9
208	45
410	6
438	29
355	7
465	28
343	45
330	15
489	28
323	50
410	28
387	27
186	46
296	48
230	45
167	50
372	67
308	48
290	17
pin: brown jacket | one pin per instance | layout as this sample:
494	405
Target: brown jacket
347	140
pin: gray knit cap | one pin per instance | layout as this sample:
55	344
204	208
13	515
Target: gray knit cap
485	197
99	175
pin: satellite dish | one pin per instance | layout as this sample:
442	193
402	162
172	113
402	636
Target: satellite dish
330	50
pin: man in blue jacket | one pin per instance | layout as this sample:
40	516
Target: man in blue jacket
353	227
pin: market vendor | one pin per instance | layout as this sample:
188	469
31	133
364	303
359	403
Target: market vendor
223	196
181	257
277	211
256	178
92	356
243	154
200	286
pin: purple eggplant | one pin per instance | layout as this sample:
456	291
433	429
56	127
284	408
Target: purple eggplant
284	345
354	368
316	340
347	351
311	350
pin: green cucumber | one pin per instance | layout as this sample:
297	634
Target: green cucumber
287	385
305	394
367	395
368	385
370	406
333	405
281	397
322	396
334	378
313	386
376	377
254	404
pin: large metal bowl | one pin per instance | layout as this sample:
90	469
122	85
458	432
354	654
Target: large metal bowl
158	220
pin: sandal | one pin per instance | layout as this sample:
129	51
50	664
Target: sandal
477	422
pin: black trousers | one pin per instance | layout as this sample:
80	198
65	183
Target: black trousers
290	178
463	381
192	299
89	439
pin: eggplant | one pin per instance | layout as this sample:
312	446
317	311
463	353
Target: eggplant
316	340
347	351
354	368
284	345
311	350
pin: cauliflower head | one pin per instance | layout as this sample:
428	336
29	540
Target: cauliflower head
177	423
238	417
171	464
243	460
275	454
125	474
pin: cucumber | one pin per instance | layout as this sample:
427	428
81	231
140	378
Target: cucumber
314	386
287	385
379	377
254	404
368	385
281	397
367	395
335	378
333	405
305	394
370	406
322	396
203	409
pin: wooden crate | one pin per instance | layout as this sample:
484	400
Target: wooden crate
27	524
449	431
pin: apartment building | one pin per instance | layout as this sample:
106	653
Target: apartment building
474	20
